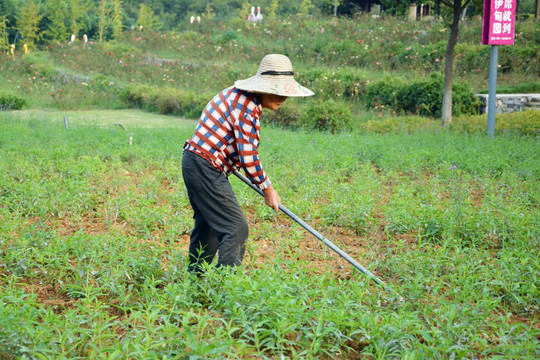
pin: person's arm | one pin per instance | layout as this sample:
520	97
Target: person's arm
246	131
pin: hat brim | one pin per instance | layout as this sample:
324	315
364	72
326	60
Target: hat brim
277	85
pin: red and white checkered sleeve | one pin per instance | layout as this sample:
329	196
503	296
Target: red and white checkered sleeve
247	133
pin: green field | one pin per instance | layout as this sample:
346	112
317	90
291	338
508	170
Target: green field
94	234
95	220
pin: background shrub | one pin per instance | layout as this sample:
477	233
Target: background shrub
140	95
522	123
347	82
39	64
408	124
383	92
11	102
422	97
288	115
166	100
327	115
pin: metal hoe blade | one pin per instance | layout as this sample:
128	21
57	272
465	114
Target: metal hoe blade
322	238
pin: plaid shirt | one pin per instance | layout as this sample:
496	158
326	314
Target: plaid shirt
228	135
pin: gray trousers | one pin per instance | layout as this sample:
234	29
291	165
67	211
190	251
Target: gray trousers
220	223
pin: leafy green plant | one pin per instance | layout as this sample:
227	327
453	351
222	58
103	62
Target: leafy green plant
522	123
422	97
11	101
327	116
286	116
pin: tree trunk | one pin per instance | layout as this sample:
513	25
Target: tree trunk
449	65
537	12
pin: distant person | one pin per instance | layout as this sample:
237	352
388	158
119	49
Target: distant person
259	16
225	139
252	17
25	49
12	49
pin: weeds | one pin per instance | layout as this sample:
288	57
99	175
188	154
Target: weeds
94	237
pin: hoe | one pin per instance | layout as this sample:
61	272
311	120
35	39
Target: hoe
323	239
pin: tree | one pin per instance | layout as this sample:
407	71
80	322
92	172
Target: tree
57	12
305	7
147	19
10	9
117	18
209	14
4	43
104	10
396	6
28	23
457	7
76	10
272	10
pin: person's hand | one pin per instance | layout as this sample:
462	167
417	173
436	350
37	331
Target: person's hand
271	198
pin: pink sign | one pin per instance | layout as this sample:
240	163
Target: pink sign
499	21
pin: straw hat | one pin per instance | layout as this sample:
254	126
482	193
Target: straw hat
275	76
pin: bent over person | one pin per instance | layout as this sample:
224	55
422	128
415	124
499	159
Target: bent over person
225	139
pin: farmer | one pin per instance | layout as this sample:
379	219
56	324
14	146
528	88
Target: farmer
225	139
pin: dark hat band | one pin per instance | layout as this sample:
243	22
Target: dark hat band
277	73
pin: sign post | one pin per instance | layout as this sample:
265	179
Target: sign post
497	29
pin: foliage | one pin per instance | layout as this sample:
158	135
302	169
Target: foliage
117	18
57	13
343	83
209	13
383	92
422	97
520	123
166	100
95	234
147	19
4	45
305	8
271	13
28	23
76	12
288	115
525	123
340	63
398	125
524	88
327	116
398	7
10	101
104	18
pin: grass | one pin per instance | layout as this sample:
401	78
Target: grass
94	233
188	67
128	118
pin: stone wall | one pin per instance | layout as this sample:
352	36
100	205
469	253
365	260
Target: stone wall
506	103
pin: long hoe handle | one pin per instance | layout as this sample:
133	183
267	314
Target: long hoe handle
322	238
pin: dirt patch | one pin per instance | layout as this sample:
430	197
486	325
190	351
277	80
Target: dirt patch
50	295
